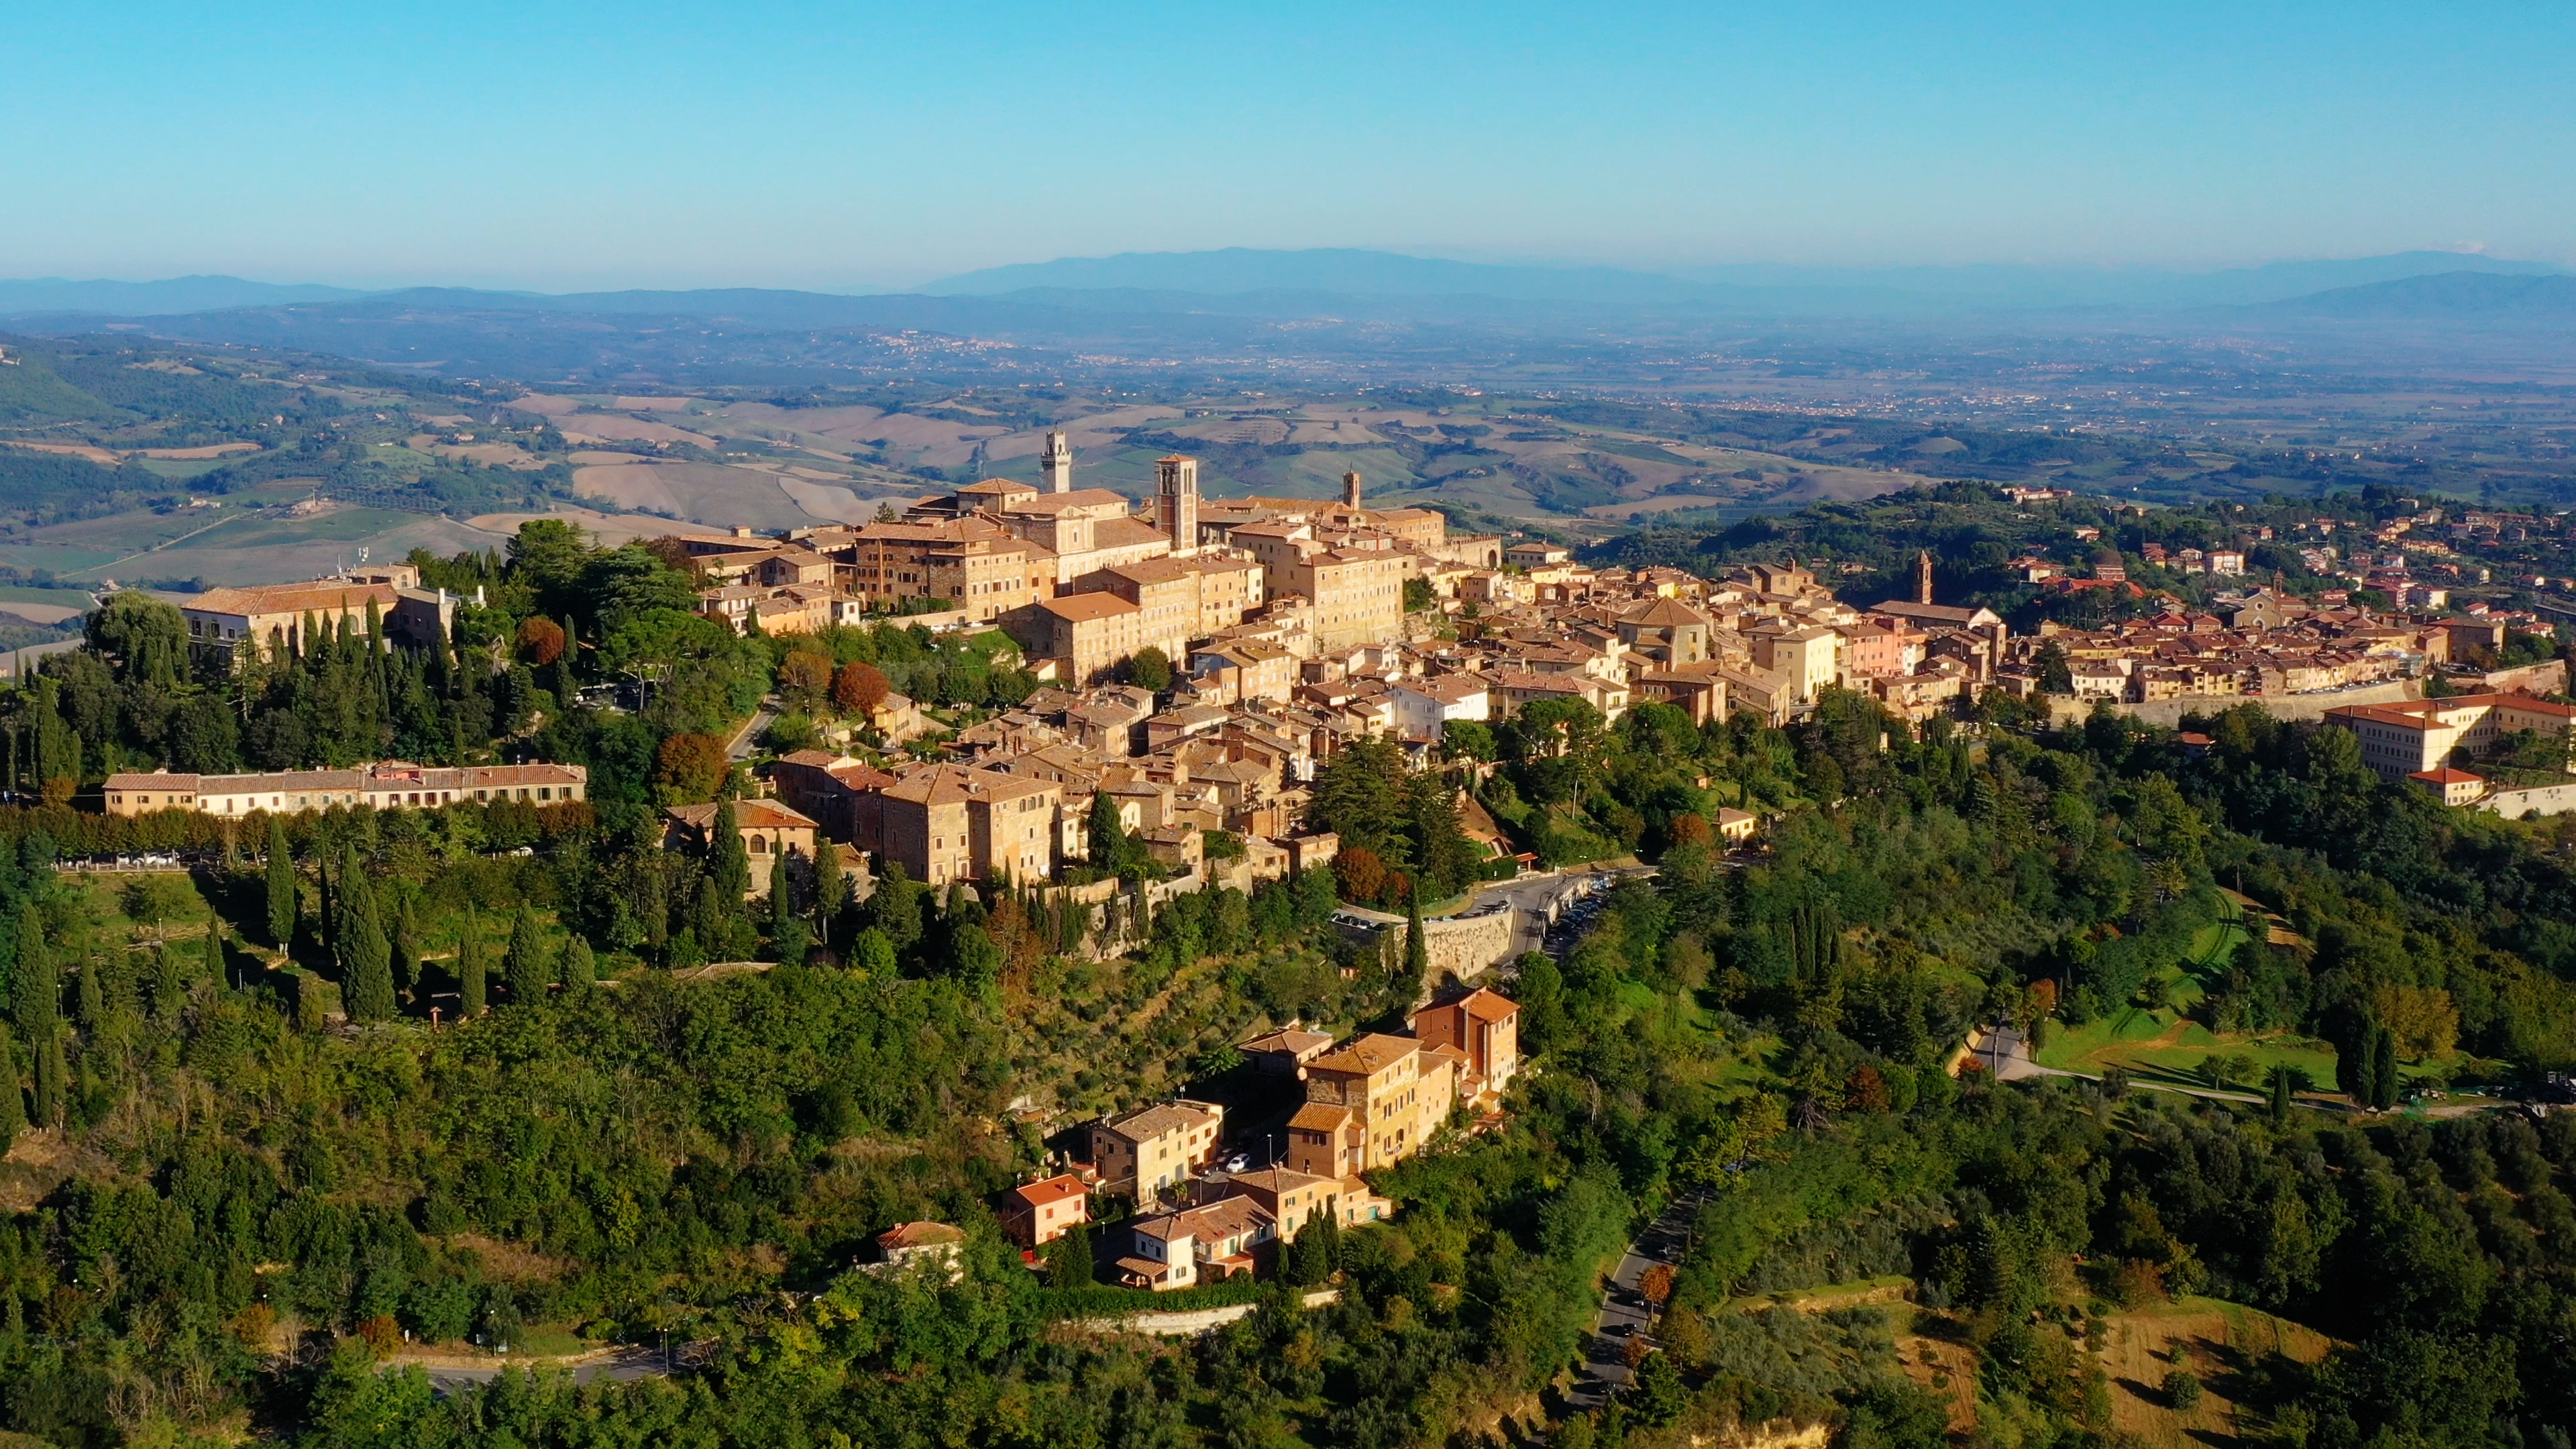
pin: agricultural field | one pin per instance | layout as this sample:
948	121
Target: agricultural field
2217	1343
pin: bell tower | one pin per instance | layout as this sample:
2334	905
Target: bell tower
1351	490
1923	577
1055	465
1176	503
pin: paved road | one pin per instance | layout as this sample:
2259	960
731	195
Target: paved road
746	742
1561	895
1624	1314
2007	1055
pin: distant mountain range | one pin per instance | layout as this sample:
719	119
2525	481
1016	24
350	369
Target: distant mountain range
2449	296
156	299
1239	272
1245	282
1327	308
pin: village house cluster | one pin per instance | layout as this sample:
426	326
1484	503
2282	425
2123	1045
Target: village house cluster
1287	623
2263	642
1370	1101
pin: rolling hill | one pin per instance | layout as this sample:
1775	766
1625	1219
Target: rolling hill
2485	298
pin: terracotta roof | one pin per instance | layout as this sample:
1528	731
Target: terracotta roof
1367	1055
952	784
1486	1005
1083	608
1276	1180
326	597
1159	1120
747	814
1077	498
1161	570
1124	533
919	1235
1319	1117
1047	1191
1293	1041
1664	614
1223	1218
152	782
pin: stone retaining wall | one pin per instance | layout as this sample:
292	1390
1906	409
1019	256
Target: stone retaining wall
2539	800
1192	1321
2168	713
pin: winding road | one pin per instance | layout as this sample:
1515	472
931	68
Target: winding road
1624	1312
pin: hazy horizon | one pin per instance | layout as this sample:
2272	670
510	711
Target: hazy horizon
910	282
573	147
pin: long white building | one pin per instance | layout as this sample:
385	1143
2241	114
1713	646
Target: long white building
385	785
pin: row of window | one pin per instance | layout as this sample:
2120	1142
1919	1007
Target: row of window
544	794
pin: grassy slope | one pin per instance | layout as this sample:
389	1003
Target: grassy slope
2165	1044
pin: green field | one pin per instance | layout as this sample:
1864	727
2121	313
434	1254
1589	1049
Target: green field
2164	1044
30	594
181	469
346	525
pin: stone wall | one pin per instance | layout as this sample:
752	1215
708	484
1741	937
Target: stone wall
2540	800
1461	946
2168	713
1193	1321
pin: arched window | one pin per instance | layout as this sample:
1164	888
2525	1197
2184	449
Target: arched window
759	845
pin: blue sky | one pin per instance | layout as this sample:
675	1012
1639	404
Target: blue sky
564	146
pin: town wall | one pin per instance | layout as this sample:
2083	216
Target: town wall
2549	676
2168	713
1460	946
2539	800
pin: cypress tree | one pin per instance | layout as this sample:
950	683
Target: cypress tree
895	909
469	968
1417	953
709	921
580	969
51	1079
38	997
215	952
2385	1082
281	887
2364	1075
2281	1094
527	961
326	907
13	1104
89	995
406	950
782	897
170	986
559	679
831	889
366	959
733	864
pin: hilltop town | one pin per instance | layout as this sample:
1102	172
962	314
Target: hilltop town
1182	679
